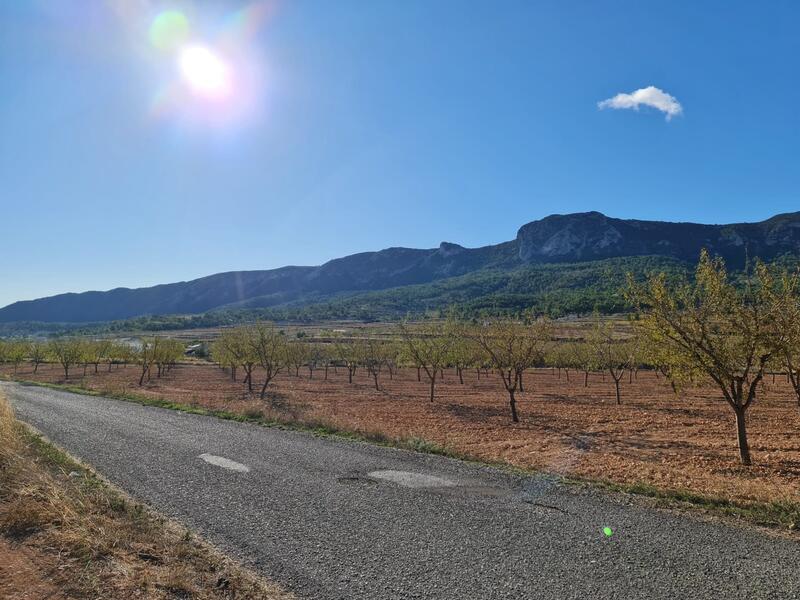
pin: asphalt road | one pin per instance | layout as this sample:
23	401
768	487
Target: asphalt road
339	519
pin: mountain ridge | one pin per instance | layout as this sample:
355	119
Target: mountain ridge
557	238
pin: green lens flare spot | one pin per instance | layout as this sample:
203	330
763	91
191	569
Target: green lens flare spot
607	531
169	29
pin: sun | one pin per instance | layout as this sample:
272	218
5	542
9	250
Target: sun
205	72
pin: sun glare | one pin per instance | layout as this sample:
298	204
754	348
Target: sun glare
205	72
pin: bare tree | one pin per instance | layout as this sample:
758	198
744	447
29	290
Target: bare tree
611	353
428	345
347	353
373	356
38	354
270	348
67	352
513	347
297	355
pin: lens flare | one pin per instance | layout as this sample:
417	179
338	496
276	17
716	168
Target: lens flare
169	30
206	74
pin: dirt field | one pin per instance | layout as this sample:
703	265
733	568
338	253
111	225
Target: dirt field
23	574
682	443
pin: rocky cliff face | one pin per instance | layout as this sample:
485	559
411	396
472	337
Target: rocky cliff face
593	236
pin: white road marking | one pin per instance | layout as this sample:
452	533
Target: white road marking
225	463
412	480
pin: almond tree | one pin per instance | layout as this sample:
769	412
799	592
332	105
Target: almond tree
513	347
67	352
16	353
610	353
145	356
226	350
561	357
462	351
167	355
786	325
582	358
297	355
316	356
347	353
428	346
37	354
373	356
711	326
393	353
269	346
95	352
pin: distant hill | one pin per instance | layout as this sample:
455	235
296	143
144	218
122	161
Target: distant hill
572	238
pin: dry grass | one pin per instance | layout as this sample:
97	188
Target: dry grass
71	535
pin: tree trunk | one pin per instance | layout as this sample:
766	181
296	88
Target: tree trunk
35	368
513	403
586	379
519	378
616	386
326	372
264	389
461	376
433	384
741	436
349	375
375	377
419	376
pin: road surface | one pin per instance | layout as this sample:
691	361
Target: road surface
337	519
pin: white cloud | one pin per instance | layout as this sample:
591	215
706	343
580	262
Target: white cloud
649	96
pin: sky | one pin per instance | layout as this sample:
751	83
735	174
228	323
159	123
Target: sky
138	148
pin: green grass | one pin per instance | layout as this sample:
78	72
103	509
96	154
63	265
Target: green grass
779	514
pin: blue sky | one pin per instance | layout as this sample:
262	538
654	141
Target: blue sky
376	124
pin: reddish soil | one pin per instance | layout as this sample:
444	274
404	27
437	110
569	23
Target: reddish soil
22	574
684	442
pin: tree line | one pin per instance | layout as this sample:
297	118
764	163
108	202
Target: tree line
71	353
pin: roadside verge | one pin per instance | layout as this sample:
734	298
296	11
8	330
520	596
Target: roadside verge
67	533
